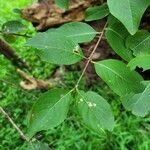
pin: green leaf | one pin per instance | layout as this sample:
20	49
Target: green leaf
119	77
49	111
141	61
96	12
129	12
62	3
145	82
95	111
37	146
78	32
17	11
139	103
13	26
139	43
116	35
55	48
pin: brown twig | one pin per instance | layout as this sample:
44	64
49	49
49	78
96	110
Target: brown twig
89	59
14	125
31	83
10	54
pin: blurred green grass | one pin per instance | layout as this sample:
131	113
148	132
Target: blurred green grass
130	133
6	8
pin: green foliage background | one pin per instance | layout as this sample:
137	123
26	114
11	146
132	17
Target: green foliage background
130	133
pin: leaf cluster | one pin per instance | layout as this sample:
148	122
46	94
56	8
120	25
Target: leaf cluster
61	46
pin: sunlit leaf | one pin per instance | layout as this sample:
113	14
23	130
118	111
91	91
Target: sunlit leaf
116	35
96	12
129	12
55	48
95	111
49	111
37	146
78	32
139	103
141	61
119	77
139	43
